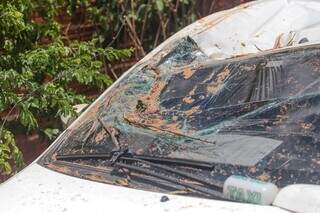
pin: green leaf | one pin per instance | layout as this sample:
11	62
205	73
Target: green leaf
160	5
51	133
27	119
9	153
7	168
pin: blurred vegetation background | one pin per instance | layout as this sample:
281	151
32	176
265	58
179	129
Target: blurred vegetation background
58	53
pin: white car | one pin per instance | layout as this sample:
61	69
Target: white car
224	116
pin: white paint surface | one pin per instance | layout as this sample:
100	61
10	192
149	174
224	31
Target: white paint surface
258	26
301	198
40	190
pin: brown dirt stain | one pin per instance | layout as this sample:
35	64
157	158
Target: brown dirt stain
192	110
217	84
188	72
188	100
151	100
154	122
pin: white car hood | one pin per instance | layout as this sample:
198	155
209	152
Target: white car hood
39	190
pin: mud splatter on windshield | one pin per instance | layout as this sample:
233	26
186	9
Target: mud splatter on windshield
256	116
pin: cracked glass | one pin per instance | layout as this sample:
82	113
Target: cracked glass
255	115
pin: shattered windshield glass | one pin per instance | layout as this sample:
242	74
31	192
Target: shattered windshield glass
256	116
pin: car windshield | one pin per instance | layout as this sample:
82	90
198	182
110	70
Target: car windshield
255	116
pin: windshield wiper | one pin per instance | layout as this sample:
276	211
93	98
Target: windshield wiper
122	156
116	159
212	190
156	162
154	159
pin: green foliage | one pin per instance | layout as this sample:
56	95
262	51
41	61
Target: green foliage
37	70
51	133
9	152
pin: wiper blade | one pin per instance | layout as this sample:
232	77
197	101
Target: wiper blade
197	188
113	132
122	154
212	188
154	159
215	184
